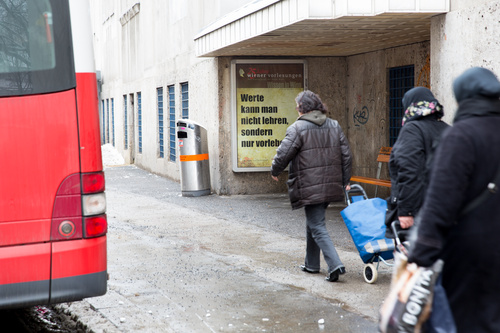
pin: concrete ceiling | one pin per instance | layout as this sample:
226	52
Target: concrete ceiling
343	36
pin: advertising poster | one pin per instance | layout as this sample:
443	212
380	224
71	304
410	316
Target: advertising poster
264	95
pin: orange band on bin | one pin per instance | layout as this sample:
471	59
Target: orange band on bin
199	157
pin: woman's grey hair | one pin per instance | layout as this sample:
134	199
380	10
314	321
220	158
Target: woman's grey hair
308	101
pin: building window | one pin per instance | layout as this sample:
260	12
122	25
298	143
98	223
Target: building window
159	102
103	112
139	121
107	123
185	100
113	119
125	123
171	123
401	79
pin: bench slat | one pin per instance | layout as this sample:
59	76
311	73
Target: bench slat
373	181
383	157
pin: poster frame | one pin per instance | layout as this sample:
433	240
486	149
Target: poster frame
234	116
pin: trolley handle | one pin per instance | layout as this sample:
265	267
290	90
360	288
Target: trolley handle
399	245
355	189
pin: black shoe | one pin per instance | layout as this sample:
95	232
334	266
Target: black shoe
334	276
307	270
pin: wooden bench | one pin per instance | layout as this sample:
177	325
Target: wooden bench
383	157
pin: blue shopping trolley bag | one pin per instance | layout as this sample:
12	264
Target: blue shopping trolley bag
365	221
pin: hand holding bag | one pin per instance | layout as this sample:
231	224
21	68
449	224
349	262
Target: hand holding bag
408	305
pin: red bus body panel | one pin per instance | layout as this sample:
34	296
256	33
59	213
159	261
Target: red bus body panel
78	271
47	141
25	275
78	257
40	148
88	121
25	263
24	232
49	137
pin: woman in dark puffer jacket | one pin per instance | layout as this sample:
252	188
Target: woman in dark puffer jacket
421	131
466	161
320	167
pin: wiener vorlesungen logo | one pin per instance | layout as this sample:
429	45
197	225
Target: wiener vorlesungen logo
258	73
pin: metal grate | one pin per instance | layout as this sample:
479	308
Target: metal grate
159	105
103	112
185	100
113	119
125	123
171	118
139	121
107	123
401	79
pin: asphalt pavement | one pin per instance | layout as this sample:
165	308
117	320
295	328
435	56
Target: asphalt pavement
220	264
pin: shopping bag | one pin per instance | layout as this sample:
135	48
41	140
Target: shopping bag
365	221
409	303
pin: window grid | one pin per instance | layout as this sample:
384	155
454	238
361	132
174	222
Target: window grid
139	121
103	112
159	100
171	116
185	100
401	79
125	123
107	123
113	119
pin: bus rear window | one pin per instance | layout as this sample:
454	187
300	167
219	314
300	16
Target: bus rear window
35	47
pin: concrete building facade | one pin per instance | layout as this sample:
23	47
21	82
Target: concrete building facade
161	61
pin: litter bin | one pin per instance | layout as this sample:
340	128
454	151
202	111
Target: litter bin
193	148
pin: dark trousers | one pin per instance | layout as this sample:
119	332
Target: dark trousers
319	240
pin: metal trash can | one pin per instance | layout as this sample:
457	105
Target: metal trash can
195	168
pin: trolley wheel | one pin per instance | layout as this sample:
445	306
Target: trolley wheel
370	273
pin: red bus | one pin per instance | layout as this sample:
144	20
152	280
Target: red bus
52	204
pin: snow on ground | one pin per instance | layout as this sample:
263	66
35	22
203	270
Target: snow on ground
111	156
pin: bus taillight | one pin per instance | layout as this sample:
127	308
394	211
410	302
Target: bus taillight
95	226
93	182
94	204
95	223
67	228
80	207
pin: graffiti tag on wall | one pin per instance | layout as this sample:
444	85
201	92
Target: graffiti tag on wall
360	117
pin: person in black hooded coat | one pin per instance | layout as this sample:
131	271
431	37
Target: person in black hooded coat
421	131
466	161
